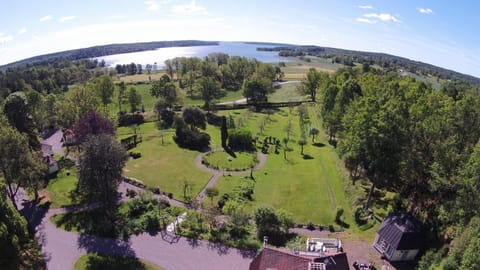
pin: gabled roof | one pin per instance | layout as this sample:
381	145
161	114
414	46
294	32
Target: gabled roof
279	260
275	259
402	231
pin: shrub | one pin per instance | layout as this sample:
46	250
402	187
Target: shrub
163	203
214	119
241	140
135	155
310	226
331	228
131	193
155	190
128	119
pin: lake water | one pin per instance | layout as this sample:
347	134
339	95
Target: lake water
157	57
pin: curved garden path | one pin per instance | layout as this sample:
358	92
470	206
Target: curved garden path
62	248
262	159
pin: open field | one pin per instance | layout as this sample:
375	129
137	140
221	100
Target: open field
309	187
101	262
164	165
286	92
144	77
296	69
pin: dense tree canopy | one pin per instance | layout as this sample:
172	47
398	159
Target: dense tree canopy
100	168
92	124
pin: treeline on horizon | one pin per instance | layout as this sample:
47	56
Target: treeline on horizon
103	50
386	61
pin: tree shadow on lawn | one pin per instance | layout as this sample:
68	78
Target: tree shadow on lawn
319	144
307	157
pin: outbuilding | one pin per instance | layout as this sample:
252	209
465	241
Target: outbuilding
400	237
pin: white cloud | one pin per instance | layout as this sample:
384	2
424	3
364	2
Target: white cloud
365	7
46	18
425	10
152	5
385	17
66	18
22	31
191	8
5	38
365	20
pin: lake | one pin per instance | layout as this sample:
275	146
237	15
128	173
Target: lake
157	57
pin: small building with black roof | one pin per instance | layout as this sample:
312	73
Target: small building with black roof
400	237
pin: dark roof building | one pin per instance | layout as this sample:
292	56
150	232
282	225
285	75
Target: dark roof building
400	237
273	259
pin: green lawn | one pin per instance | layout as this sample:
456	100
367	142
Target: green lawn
59	188
286	92
101	262
223	161
310	187
165	165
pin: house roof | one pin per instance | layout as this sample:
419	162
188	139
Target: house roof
270	258
402	231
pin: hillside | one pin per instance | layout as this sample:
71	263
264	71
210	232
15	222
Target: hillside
103	50
350	57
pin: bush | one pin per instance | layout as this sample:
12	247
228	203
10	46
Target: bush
331	228
240	140
155	190
128	119
135	155
214	119
193	140
131	193
310	226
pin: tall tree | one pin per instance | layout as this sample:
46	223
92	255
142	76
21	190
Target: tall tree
165	89
122	88
92	124
104	87
311	83
18	248
98	181
256	88
209	89
134	98
19	166
17	113
194	117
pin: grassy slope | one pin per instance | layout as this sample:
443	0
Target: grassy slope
165	166
310	189
102	262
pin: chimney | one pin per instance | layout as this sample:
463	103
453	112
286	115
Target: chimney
265	241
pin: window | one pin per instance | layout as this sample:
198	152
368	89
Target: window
316	266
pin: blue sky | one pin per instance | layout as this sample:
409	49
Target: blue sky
440	32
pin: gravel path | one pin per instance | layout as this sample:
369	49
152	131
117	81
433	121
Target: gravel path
262	159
